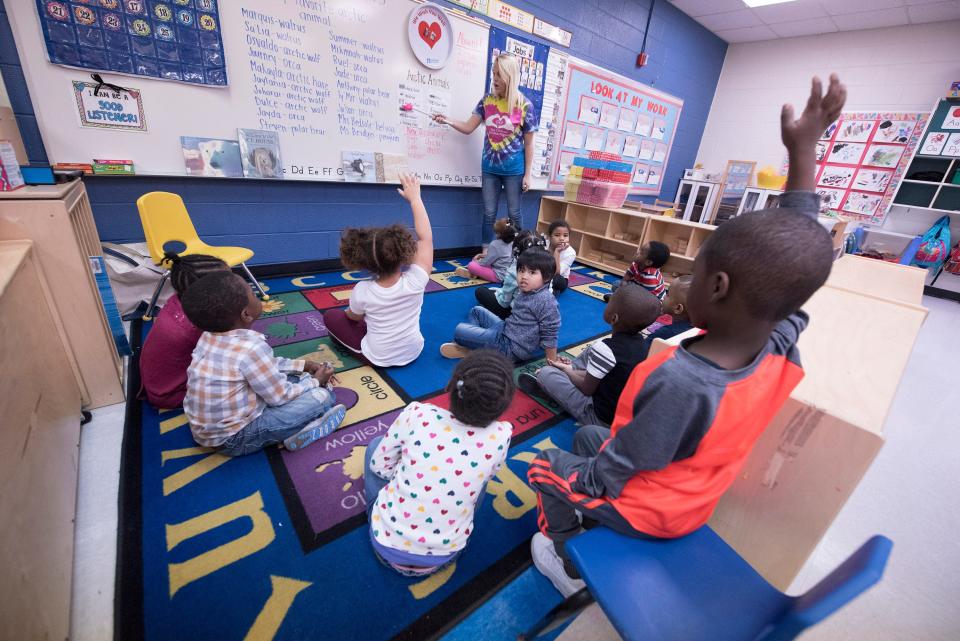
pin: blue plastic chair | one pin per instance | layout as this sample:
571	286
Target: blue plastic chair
698	588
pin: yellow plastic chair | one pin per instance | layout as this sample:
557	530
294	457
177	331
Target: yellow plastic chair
165	219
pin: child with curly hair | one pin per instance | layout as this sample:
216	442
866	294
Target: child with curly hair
494	263
382	321
421	509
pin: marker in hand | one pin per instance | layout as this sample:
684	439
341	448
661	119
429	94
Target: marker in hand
409	107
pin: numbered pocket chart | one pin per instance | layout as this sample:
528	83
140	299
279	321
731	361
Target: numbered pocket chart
173	40
861	159
602	110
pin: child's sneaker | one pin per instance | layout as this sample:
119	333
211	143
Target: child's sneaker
317	428
453	350
528	383
463	272
546	560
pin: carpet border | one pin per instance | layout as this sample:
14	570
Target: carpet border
128	615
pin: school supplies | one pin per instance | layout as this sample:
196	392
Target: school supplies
85	167
10	177
113	167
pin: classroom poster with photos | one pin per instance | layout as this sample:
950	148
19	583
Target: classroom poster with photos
861	159
176	40
604	111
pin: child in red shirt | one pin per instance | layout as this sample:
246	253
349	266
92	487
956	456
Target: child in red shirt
645	270
688	417
167	351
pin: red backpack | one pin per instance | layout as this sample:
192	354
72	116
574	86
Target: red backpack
953	263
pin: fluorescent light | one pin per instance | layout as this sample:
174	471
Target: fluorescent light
763	3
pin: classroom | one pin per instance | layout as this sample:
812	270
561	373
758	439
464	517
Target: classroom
402	320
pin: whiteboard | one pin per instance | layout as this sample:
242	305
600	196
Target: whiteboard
328	75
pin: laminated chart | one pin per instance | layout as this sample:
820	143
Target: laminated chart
861	159
174	40
604	111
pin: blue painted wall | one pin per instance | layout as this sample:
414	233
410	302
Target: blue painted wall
296	221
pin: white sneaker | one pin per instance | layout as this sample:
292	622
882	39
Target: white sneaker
546	560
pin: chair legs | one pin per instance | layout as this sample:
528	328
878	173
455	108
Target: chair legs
571	607
256	283
148	315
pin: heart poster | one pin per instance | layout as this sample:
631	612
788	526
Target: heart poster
431	35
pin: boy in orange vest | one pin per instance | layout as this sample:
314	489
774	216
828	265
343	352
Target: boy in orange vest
689	416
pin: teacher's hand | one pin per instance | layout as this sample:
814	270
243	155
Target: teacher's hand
440	119
526	182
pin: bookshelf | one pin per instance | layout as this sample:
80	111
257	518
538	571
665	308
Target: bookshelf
608	238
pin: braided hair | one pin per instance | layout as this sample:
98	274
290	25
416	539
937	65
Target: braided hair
481	387
526	239
186	270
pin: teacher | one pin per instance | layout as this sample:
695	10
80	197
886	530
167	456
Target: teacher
508	144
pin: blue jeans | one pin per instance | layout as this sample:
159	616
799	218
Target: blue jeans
491	186
485	329
279	423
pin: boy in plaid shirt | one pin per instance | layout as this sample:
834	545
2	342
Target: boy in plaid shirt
240	397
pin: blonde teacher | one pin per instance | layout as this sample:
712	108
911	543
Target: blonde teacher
508	144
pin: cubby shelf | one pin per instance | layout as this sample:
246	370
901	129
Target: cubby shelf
593	232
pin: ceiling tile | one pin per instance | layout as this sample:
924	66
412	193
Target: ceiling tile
934	12
732	20
790	11
871	19
912	2
840	7
804	27
747	34
697	8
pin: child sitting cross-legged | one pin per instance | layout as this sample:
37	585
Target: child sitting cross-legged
240	397
499	300
425	478
690	415
169	346
563	253
588	387
533	324
382	321
645	269
675	304
493	265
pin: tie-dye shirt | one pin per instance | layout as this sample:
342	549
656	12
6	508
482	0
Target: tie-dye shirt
503	142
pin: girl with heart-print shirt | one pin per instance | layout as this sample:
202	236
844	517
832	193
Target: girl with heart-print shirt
426	476
510	122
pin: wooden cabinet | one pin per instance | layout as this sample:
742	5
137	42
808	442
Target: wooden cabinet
696	200
40	430
755	198
609	238
59	220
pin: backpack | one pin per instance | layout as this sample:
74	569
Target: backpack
953	263
934	244
133	276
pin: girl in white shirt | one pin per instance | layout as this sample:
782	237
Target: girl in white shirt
426	476
563	253
382	321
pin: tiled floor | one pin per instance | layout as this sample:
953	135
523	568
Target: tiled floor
909	494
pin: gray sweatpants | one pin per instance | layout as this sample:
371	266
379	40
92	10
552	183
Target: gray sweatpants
561	389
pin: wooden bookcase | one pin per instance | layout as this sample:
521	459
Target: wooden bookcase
58	219
597	234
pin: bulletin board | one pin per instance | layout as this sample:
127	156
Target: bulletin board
861	159
604	111
328	77
943	133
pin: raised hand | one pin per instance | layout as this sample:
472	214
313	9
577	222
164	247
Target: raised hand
818	113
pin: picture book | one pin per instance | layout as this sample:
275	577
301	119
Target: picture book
260	153
211	157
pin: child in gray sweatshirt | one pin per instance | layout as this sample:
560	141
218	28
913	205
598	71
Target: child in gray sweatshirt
532	328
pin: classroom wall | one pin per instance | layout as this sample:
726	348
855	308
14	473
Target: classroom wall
298	221
904	68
